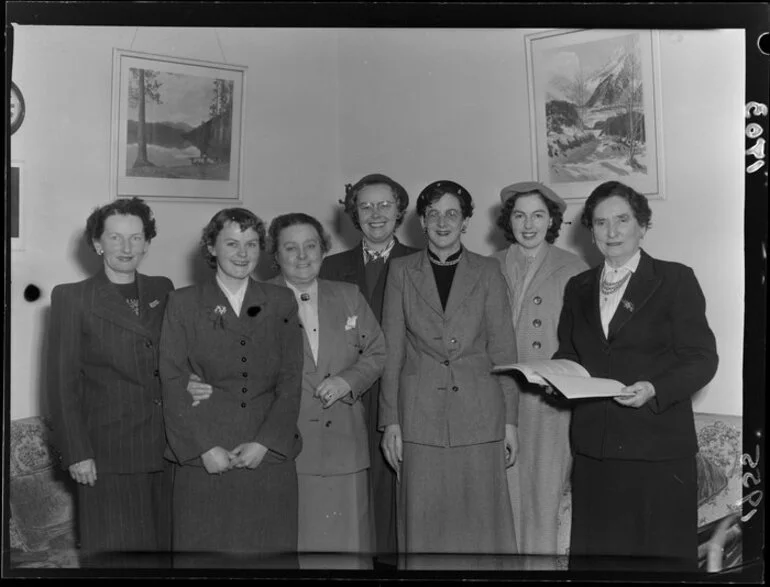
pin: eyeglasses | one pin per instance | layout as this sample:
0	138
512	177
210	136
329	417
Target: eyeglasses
384	207
454	216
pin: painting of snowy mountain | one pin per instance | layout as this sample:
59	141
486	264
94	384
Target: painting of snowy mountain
594	119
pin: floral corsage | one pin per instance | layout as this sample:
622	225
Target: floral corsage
218	317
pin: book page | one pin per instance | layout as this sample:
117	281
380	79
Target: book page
582	387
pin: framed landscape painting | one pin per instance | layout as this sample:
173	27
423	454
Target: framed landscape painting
595	110
176	128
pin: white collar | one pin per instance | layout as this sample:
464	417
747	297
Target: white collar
631	265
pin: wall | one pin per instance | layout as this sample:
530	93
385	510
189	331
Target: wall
327	106
441	103
290	141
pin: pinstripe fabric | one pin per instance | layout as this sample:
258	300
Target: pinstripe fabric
105	399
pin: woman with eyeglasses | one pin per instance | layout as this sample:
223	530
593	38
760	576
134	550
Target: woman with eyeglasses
376	205
449	424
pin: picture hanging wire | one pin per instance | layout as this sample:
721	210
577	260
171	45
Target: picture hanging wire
131	46
216	34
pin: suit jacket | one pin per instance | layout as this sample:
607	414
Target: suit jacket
351	345
659	334
437	382
349	266
103	374
253	362
539	316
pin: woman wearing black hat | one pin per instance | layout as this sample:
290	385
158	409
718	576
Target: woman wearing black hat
537	272
376	205
449	424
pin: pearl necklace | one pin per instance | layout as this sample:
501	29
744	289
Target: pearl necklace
609	288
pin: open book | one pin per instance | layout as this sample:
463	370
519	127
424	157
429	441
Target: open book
565	376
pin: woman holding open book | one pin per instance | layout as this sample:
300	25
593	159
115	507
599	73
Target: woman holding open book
640	321
537	272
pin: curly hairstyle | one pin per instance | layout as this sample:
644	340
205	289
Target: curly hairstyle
435	191
245	219
637	202
352	191
293	219
504	217
126	207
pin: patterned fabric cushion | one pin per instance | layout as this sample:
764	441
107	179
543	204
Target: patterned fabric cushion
41	494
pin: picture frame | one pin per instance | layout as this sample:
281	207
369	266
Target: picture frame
595	110
16	205
177	128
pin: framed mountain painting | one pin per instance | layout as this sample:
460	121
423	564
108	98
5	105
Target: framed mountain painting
595	110
176	128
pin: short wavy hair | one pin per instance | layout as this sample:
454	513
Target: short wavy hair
504	217
638	203
352	191
292	219
126	207
244	218
435	191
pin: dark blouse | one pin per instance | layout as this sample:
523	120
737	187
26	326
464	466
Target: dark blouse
130	293
444	273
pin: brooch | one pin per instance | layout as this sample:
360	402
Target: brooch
351	323
627	305
154	303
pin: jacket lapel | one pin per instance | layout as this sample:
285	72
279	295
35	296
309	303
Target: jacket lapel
327	317
113	307
151	303
640	288
421	275
252	310
465	279
549	265
589	301
310	363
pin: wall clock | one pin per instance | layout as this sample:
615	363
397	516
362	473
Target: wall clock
18	108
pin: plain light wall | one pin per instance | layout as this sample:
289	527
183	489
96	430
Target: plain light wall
324	107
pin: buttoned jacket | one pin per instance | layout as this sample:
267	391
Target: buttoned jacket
351	346
535	329
105	394
659	334
253	362
437	382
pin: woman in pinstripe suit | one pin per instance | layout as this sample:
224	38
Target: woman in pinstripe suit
105	392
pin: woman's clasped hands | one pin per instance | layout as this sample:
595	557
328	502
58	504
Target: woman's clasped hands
248	455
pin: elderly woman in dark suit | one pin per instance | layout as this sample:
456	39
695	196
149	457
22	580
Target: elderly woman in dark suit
536	272
235	487
449	424
344	354
105	391
641	321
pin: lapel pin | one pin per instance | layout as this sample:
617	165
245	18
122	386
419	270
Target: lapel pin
154	303
627	305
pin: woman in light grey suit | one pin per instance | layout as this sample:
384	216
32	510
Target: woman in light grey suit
449	424
344	354
537	273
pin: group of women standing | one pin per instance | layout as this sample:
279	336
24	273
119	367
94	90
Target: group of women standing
266	387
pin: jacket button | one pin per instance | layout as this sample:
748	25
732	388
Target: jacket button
243	359
446	363
453	340
296	436
148	344
243	342
536	345
328	424
455	388
244	390
157	402
536	323
243	404
156	373
538	300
